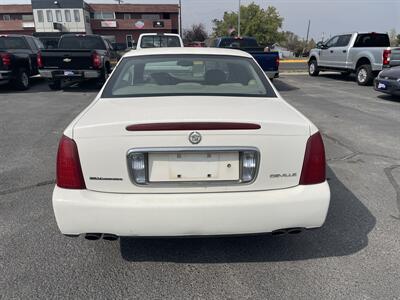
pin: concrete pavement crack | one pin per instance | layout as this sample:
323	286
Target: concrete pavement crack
396	186
24	188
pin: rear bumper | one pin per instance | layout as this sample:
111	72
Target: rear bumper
84	211
272	74
391	86
77	74
6	75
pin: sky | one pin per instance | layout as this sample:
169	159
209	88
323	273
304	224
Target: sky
328	17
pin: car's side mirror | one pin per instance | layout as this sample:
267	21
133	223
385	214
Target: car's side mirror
321	45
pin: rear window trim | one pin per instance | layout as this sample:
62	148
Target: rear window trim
107	94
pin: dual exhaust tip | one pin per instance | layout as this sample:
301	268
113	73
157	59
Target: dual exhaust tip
290	231
97	236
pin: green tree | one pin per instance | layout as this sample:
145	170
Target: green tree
393	36
263	24
197	33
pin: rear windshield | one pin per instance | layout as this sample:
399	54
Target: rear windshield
12	43
81	42
372	40
166	75
235	43
159	41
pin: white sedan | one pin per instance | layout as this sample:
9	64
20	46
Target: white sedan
189	142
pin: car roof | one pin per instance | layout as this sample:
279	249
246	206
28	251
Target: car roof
160	34
187	50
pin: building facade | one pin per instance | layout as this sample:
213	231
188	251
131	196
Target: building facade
120	23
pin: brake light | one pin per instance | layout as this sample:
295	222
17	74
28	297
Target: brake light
6	59
314	164
179	126
96	60
69	172
386	57
39	60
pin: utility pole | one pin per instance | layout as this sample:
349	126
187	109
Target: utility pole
180	18
239	19
308	32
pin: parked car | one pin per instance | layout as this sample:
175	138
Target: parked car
159	40
207	147
18	54
78	57
268	61
364	54
388	81
394	57
196	44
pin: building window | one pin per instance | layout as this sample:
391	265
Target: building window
129	41
67	13
40	16
27	17
58	15
77	15
6	17
49	15
150	16
127	16
103	15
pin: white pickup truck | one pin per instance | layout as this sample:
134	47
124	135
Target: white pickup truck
159	40
364	54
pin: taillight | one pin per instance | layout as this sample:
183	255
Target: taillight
96	60
39	60
314	165
386	57
6	59
69	172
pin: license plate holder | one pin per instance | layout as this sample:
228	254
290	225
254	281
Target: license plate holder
382	86
69	73
193	166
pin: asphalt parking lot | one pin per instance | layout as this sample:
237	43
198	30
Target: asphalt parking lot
355	255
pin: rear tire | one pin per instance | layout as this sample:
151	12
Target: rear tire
21	81
103	78
55	85
313	69
364	75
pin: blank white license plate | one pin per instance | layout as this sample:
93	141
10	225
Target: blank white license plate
178	167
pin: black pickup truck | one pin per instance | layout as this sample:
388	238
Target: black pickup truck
79	57
18	55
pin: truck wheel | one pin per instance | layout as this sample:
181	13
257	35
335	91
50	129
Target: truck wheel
364	75
103	78
55	85
21	81
313	69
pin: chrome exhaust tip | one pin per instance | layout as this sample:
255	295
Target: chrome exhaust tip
93	236
110	237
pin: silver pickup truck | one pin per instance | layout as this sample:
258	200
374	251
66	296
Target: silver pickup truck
364	54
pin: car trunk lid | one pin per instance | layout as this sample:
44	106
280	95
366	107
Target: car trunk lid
104	141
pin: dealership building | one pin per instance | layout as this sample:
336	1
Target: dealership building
120	23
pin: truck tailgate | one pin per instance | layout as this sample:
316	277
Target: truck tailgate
268	61
67	59
395	57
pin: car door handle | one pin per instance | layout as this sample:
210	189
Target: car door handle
344	51
331	51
